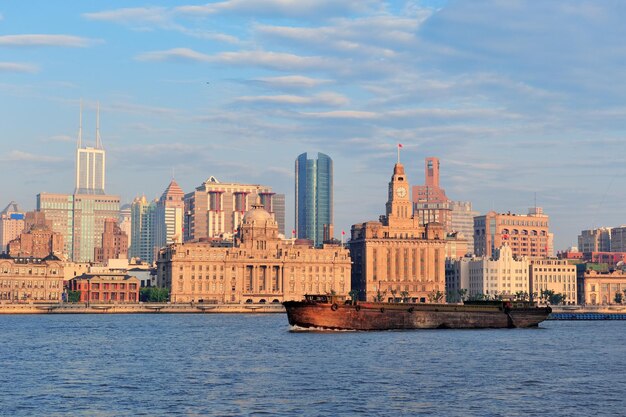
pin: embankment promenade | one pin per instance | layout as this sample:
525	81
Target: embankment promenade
558	312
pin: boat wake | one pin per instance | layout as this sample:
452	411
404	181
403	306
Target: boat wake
300	329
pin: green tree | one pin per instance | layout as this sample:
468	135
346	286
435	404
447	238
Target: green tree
618	297
380	296
405	296
462	294
435	296
354	295
73	296
154	295
393	294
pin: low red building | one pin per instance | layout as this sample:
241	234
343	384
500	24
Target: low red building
106	288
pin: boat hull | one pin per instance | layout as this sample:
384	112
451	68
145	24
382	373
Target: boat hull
383	316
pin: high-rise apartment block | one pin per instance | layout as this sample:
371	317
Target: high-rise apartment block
618	239
527	235
114	243
143	214
397	256
169	216
279	212
462	222
11	225
216	209
314	197
595	240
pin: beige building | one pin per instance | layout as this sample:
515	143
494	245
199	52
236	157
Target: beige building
600	288
501	275
216	209
258	266
396	256
527	235
555	275
11	225
31	279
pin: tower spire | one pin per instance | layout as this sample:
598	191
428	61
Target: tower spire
98	141
80	126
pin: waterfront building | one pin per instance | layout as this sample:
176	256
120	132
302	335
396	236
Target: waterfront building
595	240
106	288
258	266
527	235
501	275
601	287
114	243
216	209
169	211
397	257
31	279
314	197
11	225
38	242
553	275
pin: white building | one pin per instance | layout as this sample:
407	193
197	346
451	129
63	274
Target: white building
500	275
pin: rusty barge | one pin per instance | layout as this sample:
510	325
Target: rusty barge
337	313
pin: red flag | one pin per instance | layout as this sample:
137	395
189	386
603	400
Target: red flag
399	145
293	232
343	232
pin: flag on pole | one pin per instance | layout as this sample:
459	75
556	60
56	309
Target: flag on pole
399	145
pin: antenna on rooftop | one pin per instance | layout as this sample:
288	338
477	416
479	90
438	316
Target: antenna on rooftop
80	126
98	141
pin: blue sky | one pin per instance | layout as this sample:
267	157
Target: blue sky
514	97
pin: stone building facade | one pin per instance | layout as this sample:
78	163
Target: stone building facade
106	288
527	235
556	275
258	266
31	279
397	256
600	288
38	242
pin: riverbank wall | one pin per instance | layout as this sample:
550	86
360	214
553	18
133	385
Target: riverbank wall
138	308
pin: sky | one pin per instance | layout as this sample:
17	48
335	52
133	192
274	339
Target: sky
522	101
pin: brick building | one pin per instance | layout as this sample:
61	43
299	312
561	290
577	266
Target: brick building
114	243
106	288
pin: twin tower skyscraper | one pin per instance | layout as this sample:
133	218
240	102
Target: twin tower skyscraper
314	198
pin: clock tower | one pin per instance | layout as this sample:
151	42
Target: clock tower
399	206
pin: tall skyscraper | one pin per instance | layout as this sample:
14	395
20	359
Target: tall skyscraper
314	197
143	221
80	217
279	211
430	203
169	216
90	161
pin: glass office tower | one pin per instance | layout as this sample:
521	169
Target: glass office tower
314	197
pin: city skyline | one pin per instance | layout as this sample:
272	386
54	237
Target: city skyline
210	89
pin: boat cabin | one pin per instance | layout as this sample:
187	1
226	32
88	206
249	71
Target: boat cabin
325	298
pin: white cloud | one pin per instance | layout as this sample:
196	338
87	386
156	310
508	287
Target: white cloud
20	156
326	98
60	138
306	9
343	114
18	67
176	54
274	60
292	81
132	16
47	40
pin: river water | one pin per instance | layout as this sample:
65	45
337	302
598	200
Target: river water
240	365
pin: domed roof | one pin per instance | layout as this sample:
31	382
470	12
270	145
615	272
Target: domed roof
257	214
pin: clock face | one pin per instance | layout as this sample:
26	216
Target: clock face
401	191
